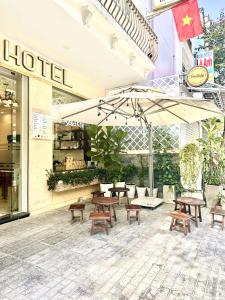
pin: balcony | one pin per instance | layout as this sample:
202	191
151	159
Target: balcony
103	44
134	24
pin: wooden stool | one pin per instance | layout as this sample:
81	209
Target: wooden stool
217	212
134	208
100	221
78	207
181	219
98	194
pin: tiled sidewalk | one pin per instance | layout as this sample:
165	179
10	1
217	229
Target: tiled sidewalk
45	257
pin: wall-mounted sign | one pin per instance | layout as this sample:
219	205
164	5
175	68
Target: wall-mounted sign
33	63
205	59
161	4
41	125
197	76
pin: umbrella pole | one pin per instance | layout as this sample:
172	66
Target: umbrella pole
150	159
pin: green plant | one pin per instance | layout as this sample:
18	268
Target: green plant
166	170
106	146
190	165
212	149
129	172
141	172
73	177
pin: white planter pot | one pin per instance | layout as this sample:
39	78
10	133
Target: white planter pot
131	192
155	192
169	193
198	195
120	184
211	193
141	191
104	187
223	205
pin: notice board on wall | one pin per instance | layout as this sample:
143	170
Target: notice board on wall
41	125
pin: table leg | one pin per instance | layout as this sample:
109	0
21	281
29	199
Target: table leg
114	213
171	225
185	228
200	213
196	216
82	217
189	209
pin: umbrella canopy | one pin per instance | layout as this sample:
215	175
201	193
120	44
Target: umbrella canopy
138	106
138	109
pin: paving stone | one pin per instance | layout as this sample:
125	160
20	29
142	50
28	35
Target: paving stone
46	257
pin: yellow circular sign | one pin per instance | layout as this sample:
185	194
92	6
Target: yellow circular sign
197	76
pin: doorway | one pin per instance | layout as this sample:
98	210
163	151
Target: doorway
10	143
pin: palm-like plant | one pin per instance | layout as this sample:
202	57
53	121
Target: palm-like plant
106	146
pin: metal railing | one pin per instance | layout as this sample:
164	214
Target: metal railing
134	24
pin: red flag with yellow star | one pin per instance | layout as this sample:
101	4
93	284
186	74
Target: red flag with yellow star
187	19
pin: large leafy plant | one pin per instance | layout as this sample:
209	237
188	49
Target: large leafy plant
212	148
106	146
190	166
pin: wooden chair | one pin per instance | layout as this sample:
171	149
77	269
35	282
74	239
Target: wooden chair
100	221
180	219
217	212
133	208
77	207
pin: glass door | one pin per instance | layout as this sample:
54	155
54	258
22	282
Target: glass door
10	136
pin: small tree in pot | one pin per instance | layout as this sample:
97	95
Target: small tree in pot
106	146
212	146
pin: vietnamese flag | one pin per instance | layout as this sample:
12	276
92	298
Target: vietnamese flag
187	19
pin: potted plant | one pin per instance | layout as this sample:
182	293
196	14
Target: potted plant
212	146
106	146
129	172
141	188
167	175
190	167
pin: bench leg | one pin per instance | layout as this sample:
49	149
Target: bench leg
92	227
128	216
82	217
185	228
222	224
171	225
72	215
139	218
189	226
106	227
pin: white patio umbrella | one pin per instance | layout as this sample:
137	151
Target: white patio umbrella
138	106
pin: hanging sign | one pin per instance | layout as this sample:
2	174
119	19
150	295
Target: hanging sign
162	4
197	76
205	59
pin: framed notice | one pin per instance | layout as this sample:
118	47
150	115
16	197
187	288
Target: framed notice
41	125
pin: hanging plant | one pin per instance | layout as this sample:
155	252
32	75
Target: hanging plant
190	165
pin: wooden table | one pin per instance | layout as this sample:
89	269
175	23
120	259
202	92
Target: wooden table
119	190
188	202
110	202
217	212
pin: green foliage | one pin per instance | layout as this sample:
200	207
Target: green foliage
87	176
212	148
106	146
166	170
214	39
141	172
190	165
73	177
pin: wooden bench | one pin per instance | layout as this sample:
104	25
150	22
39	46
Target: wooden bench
77	207
100	221
133	208
217	212
182	220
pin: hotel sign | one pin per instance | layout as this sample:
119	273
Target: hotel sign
15	55
197	76
162	4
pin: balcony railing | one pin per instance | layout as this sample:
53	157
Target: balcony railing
134	24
